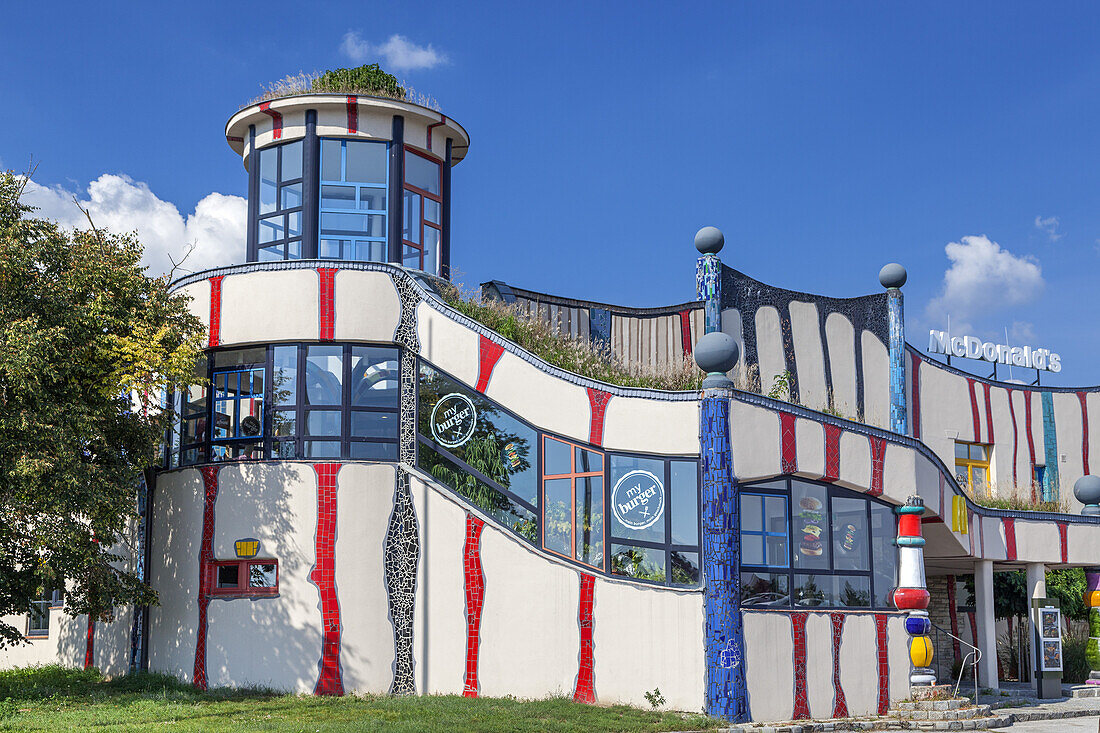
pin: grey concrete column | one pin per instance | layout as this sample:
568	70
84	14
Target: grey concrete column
987	624
1036	588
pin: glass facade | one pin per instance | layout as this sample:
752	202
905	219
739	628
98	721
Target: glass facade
806	544
279	207
352	192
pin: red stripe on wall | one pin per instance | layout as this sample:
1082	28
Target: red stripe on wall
353	114
974	410
326	303
953	610
878	464
1030	443
1084	430
323	575
475	595
1015	436
789	455
916	395
276	119
585	690
1010	538
489	353
798	634
973	627
1063	540
89	646
832	453
597	400
988	415
206	554
215	311
883	664
431	127
685	331
840	704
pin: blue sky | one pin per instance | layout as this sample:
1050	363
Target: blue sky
824	140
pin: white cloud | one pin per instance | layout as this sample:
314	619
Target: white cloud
1022	331
983	278
398	52
1049	226
216	228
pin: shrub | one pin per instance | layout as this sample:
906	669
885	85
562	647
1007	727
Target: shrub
367	79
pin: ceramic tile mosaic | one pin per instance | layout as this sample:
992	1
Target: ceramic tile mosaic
1063	540
206	555
1015	435
489	353
878	464
474	582
1084	431
989	438
798	634
788	443
405	334
326	302
597	400
1030	441
323	575
685	332
708	288
840	704
915	393
402	555
895	314
353	114
89	645
276	119
883	663
1010	538
726	694
832	452
585	688
214	328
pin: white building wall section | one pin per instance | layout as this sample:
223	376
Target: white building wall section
809	355
754	434
810	448
646	638
65	644
250	301
275	503
841	337
640	425
439	642
174	572
365	306
1068	427
876	381
769	665
447	344
530	634
820	690
769	346
552	404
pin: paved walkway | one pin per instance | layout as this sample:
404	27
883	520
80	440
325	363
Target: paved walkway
1071	725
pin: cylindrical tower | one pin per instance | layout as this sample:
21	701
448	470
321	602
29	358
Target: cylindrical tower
348	177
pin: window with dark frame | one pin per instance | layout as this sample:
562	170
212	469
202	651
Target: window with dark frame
279	208
568	513
808	544
38	619
244	577
354	185
422	229
323	401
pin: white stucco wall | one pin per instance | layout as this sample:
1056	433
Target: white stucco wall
842	362
876	381
808	354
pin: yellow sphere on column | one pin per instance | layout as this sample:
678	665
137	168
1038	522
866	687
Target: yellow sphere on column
1092	599
920	651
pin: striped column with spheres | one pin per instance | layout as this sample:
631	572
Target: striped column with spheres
911	595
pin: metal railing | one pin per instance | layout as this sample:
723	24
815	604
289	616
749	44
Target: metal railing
971	658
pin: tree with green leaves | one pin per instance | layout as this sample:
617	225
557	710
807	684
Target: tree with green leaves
88	343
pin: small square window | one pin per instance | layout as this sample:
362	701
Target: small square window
228	576
262	575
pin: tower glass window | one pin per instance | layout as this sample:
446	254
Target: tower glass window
279	230
422	229
354	176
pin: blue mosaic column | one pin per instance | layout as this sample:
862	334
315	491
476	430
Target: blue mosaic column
725	692
708	276
892	277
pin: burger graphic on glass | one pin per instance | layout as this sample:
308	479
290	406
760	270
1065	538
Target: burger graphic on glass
811	519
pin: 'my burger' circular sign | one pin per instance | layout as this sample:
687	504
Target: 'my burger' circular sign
453	420
638	499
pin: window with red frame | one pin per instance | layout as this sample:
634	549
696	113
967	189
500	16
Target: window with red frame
572	501
244	577
423	211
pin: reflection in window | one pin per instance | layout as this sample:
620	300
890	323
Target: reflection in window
422	225
840	545
641	563
279	226
972	466
354	178
238	411
573	501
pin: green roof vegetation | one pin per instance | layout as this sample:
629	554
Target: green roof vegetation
368	80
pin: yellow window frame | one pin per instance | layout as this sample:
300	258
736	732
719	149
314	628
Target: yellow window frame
974	464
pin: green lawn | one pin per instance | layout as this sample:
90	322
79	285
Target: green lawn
54	698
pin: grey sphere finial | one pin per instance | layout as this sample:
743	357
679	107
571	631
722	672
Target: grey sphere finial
892	275
716	353
1087	491
709	240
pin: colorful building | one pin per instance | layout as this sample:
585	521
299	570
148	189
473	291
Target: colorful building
376	493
